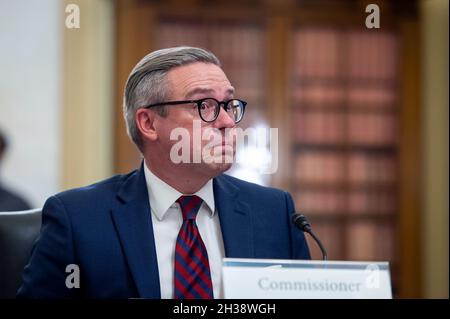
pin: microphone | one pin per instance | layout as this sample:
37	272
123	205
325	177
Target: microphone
302	223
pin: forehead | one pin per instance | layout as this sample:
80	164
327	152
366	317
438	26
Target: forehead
189	78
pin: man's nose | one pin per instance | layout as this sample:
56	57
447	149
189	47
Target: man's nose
224	120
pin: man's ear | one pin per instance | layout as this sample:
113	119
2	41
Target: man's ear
145	124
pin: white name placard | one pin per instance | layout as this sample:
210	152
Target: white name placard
293	279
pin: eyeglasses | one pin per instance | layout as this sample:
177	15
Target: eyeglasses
209	108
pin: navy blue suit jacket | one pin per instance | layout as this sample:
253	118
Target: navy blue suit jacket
106	229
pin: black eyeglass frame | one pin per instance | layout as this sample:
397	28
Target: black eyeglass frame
225	106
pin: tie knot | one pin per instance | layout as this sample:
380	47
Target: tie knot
189	206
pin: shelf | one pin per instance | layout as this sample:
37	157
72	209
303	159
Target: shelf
346	186
345	108
366	148
345	81
346	217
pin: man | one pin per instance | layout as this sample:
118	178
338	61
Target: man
9	201
161	231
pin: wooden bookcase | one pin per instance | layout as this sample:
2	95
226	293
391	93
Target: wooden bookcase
344	88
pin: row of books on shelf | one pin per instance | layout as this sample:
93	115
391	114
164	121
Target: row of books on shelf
316	52
339	127
338	95
243	43
362	241
333	53
372	128
235	42
245	67
332	167
326	202
372	54
246	77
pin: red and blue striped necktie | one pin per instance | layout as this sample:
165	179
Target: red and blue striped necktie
192	276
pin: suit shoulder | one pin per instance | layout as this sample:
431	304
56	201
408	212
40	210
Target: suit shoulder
96	190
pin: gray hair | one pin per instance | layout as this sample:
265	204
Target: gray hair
146	83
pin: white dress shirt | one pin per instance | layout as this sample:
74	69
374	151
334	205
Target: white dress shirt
167	219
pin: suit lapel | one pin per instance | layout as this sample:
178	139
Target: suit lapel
134	225
235	219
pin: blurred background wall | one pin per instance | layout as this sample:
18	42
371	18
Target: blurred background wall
88	99
435	106
362	114
31	96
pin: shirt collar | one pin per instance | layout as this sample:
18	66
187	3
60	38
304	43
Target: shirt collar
163	196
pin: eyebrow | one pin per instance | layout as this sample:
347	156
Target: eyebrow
206	90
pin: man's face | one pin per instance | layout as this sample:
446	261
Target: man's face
193	82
